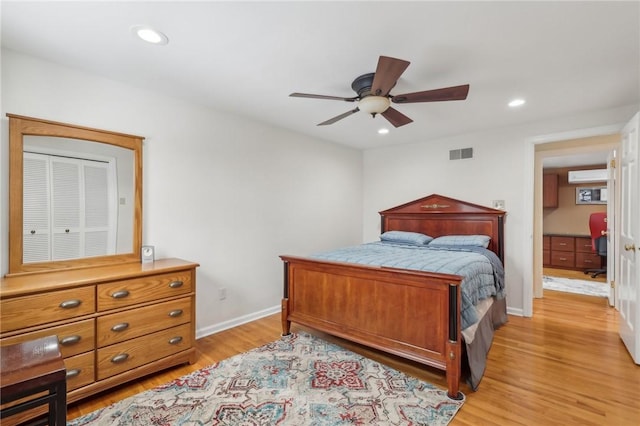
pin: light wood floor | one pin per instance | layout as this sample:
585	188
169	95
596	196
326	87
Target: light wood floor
575	275
565	366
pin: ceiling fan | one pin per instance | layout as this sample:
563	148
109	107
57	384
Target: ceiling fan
374	98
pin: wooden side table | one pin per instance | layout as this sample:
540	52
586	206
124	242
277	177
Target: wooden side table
32	368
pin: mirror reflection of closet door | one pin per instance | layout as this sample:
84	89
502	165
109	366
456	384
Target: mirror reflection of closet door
36	209
69	208
65	208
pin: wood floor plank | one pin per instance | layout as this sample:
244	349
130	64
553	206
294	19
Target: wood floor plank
565	366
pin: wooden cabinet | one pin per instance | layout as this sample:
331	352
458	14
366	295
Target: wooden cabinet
569	252
546	250
586	258
106	318
563	253
550	190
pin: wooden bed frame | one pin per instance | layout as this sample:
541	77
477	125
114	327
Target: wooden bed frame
412	314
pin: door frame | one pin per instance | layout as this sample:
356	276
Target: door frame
532	243
613	211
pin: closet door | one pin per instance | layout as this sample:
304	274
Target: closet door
99	227
70	207
36	208
66	208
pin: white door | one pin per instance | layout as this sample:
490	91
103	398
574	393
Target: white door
66	208
629	242
611	225
36	219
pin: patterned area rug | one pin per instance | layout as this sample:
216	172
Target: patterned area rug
590	288
297	380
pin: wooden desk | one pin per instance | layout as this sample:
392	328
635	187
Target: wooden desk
569	252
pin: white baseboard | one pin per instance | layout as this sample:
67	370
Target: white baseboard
519	312
216	328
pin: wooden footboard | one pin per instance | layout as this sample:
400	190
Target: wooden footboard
412	314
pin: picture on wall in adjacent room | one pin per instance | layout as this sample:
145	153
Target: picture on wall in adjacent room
596	195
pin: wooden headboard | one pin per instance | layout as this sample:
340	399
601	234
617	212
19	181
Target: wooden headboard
436	215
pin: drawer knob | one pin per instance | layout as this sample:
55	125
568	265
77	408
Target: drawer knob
70	340
120	294
176	284
120	327
119	358
175	313
563	244
70	304
175	340
73	373
563	258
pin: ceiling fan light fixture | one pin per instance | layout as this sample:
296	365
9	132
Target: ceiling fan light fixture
374	104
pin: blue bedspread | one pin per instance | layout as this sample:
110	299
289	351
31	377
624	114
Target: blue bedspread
481	268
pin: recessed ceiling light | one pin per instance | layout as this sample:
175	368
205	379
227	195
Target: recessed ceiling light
149	35
516	103
383	131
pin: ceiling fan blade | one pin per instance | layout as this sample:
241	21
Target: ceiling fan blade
395	117
333	98
455	93
387	74
338	117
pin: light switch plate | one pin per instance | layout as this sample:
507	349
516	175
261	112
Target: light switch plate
498	204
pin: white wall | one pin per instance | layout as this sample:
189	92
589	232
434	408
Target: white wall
226	192
233	194
501	169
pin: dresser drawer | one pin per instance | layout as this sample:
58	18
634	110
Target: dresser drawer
562	243
126	325
124	293
584	245
27	311
588	261
563	259
80	370
74	338
134	353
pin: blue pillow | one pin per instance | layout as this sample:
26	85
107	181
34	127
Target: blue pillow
403	237
462	240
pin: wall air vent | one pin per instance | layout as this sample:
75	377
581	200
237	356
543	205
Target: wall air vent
459	154
587	176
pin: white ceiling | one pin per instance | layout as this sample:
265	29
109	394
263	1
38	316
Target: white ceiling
598	158
562	57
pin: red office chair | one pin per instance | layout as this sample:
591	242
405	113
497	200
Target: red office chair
598	229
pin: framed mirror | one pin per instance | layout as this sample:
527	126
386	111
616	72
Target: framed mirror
75	196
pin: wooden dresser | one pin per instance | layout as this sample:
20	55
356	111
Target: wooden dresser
114	323
569	252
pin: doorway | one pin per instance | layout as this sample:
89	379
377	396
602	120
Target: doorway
574	199
599	143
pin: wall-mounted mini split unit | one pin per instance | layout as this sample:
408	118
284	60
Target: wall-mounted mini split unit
587	176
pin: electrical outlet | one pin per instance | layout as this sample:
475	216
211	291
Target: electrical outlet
222	293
